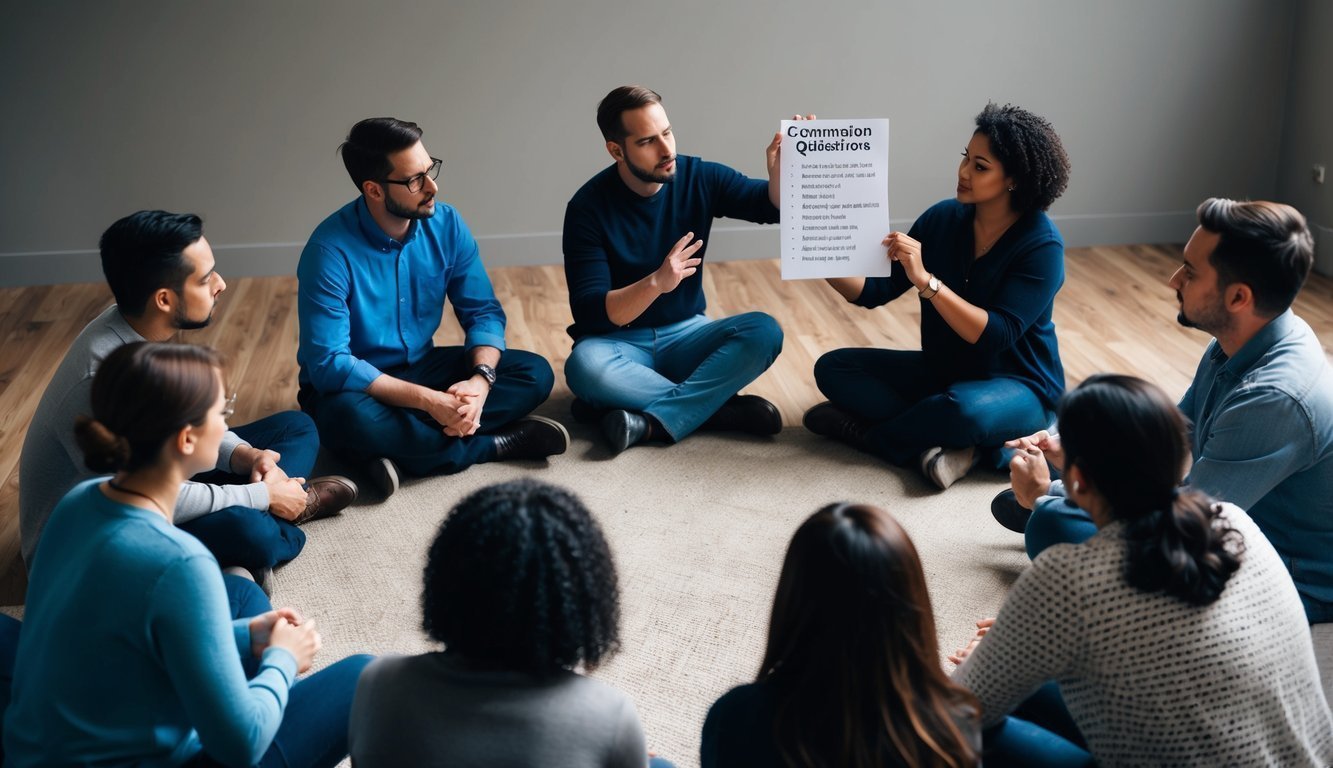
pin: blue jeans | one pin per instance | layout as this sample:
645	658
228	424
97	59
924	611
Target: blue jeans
681	373
1055	520
314	725
253	538
361	428
1039	734
909	411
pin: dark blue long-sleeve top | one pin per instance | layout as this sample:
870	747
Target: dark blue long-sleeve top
614	237
1015	283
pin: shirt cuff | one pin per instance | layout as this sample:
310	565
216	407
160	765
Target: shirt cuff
485	338
230	442
361	376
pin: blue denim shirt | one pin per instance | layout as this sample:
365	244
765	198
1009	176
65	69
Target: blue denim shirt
1263	440
368	303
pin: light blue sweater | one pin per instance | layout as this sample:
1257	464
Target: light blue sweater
128	654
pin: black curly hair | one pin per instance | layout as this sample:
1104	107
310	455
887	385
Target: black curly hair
1031	153
521	576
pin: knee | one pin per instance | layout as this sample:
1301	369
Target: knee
518	363
829	368
584	366
1055	522
761	331
297	424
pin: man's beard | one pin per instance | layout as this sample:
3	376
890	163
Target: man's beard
651	175
183	323
403	212
1211	322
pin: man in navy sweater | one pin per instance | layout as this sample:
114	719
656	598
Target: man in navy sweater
646	360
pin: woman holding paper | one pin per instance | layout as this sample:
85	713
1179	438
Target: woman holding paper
986	266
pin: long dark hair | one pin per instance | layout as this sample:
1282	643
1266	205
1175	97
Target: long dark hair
852	650
520	576
143	394
1131	443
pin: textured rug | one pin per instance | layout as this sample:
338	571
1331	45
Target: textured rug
698	530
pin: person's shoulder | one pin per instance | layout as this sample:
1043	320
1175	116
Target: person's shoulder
384	670
946	213
595	189
337	224
592	690
743	697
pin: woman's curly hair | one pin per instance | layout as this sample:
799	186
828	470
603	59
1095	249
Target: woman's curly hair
521	576
1031	153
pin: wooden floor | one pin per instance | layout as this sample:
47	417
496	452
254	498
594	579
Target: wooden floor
1115	313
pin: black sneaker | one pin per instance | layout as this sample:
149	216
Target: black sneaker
751	414
1009	513
829	420
624	428
531	437
384	476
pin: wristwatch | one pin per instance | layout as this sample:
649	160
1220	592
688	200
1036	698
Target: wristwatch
932	288
486	372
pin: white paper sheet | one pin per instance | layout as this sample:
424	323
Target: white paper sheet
835	198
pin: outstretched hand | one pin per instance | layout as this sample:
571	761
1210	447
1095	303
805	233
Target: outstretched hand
679	264
983	627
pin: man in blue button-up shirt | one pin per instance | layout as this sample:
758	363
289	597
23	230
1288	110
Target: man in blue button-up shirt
1261	402
374	278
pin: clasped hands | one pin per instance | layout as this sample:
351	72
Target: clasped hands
286	495
1029	469
458	409
285	628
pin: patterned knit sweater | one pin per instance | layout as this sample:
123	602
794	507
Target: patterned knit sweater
1150	679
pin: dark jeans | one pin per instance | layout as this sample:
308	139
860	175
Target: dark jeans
909	411
361	428
253	538
1038	734
314	725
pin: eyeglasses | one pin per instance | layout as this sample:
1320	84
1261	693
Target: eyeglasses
415	183
229	407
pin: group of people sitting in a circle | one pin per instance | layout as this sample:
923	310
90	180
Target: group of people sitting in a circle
1182	570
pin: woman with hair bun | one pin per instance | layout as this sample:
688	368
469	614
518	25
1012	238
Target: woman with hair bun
1174	634
985	266
521	590
851	674
128	655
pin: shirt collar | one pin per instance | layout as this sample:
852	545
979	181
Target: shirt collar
1259	344
374	235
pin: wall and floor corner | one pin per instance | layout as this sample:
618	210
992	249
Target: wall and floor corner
234	110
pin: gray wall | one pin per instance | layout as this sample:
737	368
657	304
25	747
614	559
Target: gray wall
1308	130
233	109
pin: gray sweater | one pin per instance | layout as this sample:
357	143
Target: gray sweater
52	464
430	710
1150	679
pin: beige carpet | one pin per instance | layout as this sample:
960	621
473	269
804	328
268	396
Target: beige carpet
698	530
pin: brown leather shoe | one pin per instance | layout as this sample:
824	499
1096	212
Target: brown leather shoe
326	496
